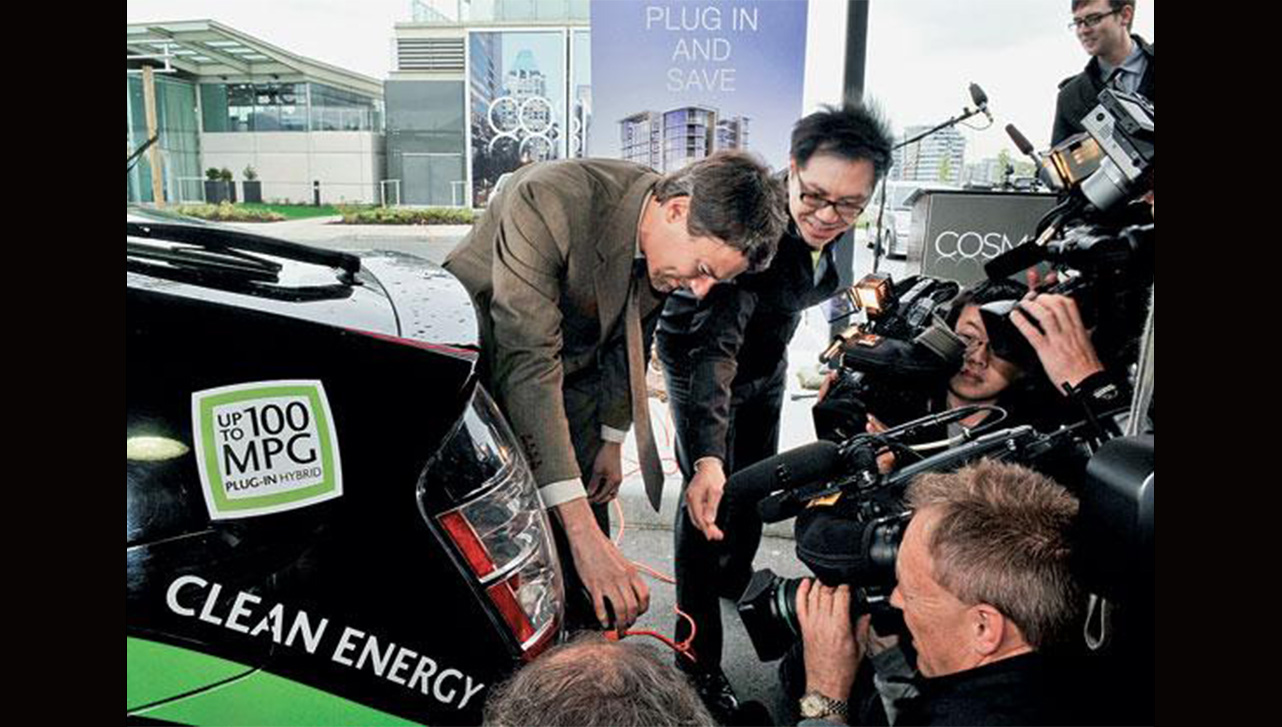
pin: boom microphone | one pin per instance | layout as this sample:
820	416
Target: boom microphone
977	95
1044	174
1021	142
980	99
805	465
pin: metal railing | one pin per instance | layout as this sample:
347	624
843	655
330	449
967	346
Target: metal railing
389	193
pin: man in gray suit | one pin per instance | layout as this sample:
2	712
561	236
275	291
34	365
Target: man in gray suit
550	265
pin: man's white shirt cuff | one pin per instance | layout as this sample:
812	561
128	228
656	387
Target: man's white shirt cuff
612	435
557	493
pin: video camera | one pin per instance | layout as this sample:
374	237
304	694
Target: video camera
903	350
1108	274
851	518
1104	264
1112	162
900	350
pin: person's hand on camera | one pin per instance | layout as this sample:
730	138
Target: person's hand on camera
703	496
870	642
885	458
1062	343
1036	280
831	650
829	380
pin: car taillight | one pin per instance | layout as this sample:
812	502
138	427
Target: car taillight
503	533
504	537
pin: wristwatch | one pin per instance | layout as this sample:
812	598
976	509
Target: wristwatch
818	706
1096	388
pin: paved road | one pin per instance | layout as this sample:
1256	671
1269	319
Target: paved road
432	242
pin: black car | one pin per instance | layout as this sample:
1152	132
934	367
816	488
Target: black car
327	519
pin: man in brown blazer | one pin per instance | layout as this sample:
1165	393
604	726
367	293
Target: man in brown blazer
549	266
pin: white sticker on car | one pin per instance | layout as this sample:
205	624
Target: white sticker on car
265	447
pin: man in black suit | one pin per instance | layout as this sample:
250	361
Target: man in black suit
725	358
1118	59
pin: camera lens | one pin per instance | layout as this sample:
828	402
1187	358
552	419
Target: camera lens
768	610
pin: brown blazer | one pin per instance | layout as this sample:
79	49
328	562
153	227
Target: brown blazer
548	266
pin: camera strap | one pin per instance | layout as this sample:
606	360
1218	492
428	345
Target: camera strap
1098	394
1098	628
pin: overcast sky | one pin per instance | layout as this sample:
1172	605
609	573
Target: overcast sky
922	54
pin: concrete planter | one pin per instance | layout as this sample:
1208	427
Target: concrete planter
219	192
253	191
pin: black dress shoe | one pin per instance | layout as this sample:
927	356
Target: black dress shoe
715	691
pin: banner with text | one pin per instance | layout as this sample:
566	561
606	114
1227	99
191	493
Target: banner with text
676	80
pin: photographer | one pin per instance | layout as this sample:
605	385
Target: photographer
985	588
1053	327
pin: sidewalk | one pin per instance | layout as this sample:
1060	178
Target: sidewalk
796	428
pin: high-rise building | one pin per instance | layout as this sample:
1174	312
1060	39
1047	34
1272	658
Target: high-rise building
732	133
671	139
940	157
984	172
688	135
642	139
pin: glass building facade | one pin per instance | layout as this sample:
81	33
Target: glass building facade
179	147
527	95
241	107
229	108
426	136
687	136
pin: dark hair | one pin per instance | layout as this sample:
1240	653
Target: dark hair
853	132
1030	398
734	199
1114	5
985	291
593	682
1003	538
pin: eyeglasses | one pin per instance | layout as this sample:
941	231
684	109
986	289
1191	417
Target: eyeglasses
847	211
1090	21
973	343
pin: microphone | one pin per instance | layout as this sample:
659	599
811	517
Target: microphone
1022	143
1044	174
806	465
980	99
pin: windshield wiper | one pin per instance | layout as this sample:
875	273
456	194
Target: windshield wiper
230	262
236	243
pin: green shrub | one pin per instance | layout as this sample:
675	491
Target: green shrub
401	216
228	212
